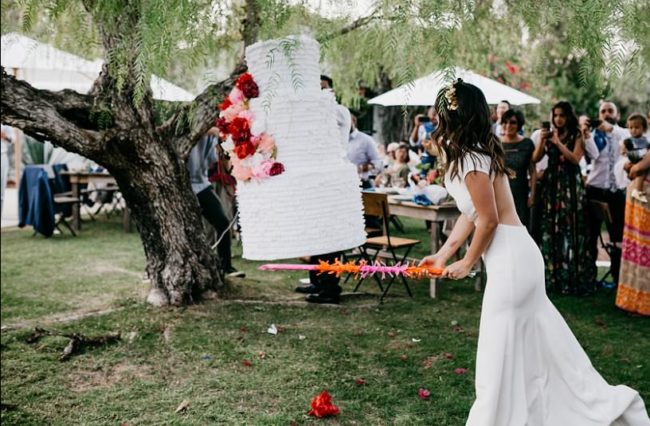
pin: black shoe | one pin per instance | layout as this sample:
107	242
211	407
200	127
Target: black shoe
233	273
307	289
323	298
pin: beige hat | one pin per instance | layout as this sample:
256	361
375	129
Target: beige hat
393	146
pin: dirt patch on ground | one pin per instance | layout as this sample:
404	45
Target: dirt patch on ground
85	380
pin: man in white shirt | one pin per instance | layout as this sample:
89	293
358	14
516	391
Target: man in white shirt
363	153
606	182
7	138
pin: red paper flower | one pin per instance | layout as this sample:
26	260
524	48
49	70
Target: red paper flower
276	169
512	68
321	406
424	393
225	104
222	125
360	382
245	149
247	363
247	85
240	130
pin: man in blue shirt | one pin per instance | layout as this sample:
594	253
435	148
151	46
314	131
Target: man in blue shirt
363	153
202	156
423	128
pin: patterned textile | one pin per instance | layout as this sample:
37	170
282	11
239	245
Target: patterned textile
633	293
570	263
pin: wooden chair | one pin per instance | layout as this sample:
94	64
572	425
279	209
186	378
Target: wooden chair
376	204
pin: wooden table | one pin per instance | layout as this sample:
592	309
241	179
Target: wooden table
84	177
436	214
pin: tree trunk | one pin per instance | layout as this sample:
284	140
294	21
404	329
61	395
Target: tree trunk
149	165
180	264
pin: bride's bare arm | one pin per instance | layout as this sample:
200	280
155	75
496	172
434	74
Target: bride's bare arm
481	191
458	236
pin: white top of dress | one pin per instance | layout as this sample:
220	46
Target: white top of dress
457	187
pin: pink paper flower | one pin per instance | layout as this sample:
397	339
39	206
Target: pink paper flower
233	111
263	170
424	393
241	173
266	143
236	96
247	114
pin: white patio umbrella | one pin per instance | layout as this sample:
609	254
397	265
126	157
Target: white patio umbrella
46	67
423	91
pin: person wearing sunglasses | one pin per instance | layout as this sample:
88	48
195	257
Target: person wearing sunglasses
519	153
607	181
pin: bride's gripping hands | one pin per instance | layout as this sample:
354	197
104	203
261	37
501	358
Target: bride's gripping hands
456	270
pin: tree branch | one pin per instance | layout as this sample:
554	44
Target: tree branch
190	123
61	117
193	121
361	22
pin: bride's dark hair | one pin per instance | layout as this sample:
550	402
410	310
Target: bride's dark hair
465	128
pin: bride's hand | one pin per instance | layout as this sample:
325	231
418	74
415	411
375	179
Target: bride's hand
457	270
433	261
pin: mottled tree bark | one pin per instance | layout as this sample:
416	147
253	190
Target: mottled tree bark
149	165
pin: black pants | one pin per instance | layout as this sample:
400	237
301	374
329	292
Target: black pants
616	203
325	283
213	211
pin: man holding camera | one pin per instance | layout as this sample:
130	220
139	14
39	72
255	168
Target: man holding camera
606	182
423	128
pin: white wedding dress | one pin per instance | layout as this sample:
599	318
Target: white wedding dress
530	369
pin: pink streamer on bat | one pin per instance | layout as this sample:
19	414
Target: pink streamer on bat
361	269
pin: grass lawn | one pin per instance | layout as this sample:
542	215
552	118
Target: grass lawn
219	357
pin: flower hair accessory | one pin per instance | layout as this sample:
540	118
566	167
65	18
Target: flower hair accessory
450	95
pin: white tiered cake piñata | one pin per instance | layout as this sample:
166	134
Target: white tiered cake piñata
314	207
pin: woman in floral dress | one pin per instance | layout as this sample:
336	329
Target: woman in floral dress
570	265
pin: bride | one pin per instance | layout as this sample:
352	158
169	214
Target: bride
530	369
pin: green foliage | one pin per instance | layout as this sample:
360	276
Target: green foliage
597	42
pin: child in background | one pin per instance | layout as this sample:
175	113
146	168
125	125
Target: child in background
636	147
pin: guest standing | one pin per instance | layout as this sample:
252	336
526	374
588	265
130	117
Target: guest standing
519	152
570	264
633	294
604	184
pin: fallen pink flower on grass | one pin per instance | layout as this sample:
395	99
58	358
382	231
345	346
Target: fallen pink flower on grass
460	371
424	393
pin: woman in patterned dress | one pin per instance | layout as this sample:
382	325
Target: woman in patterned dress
570	264
633	294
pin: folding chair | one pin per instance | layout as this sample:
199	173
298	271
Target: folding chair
600	212
376	204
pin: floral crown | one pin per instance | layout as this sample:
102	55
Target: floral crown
450	96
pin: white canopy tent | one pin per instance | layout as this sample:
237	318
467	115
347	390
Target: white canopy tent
423	91
46	67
